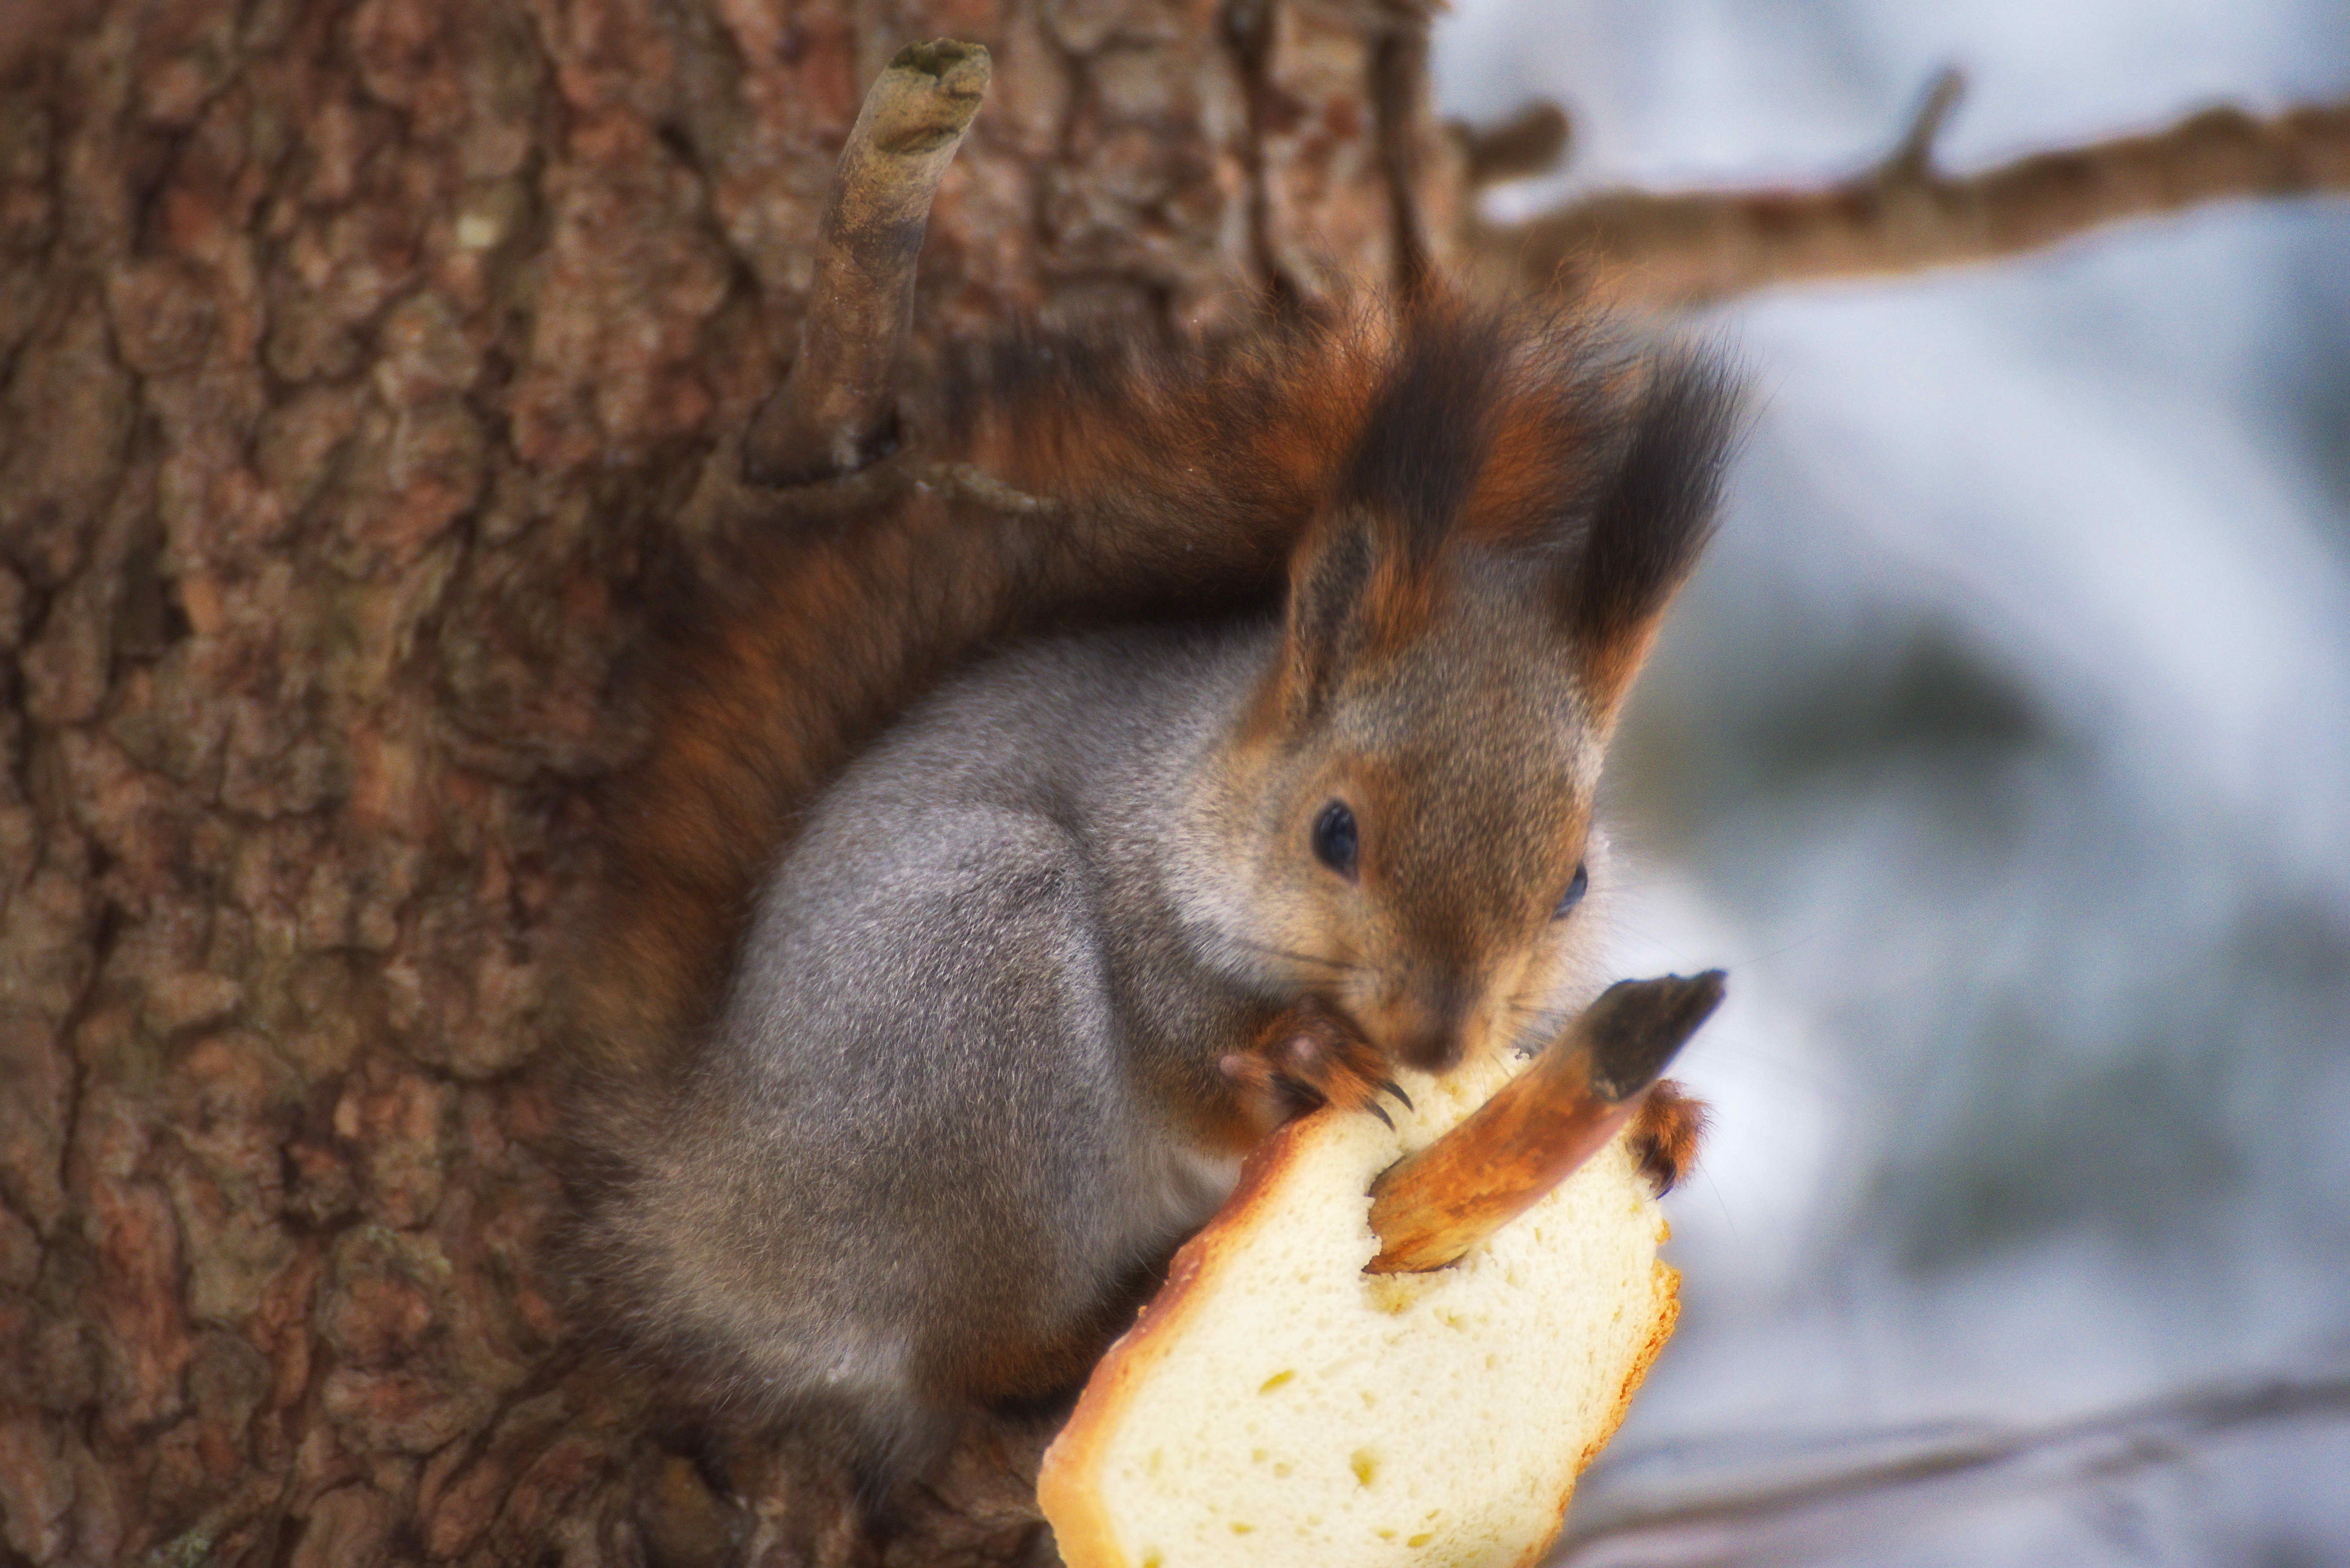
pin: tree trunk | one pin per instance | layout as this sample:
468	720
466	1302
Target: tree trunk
360	365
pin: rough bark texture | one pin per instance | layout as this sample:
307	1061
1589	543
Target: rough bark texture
362	363
359	364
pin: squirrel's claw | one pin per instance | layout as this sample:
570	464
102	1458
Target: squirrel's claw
1391	1087
1307	1055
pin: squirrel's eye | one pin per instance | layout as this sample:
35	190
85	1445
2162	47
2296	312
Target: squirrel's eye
1334	838
1574	894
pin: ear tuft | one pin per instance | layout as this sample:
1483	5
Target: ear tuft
1365	580
1652	520
1425	435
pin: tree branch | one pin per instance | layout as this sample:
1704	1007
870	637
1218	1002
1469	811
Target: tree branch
1530	142
837	411
1904	216
1914	1479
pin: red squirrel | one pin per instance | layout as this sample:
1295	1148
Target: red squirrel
1000	874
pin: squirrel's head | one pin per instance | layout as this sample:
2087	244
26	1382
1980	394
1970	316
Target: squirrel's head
1410	793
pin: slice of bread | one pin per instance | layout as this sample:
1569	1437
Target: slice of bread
1275	1405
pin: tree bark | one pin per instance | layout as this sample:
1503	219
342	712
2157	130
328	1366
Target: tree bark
365	364
362	365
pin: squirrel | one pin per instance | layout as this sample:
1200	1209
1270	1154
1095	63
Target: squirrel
998	876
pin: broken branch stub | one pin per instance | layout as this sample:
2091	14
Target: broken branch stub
1912	161
836	410
1430	1207
1530	143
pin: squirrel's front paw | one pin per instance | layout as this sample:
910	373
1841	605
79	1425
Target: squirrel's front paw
1664	1134
1307	1056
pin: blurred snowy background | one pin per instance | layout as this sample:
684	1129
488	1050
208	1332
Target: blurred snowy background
2001	751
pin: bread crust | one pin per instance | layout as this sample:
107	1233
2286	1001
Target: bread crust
1067	1484
1064	1482
1669	1313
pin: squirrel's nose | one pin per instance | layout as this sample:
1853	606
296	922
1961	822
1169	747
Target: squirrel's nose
1430	1020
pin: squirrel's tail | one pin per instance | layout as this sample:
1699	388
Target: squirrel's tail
1144	485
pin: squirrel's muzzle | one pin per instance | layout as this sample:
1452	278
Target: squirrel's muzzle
1427	1026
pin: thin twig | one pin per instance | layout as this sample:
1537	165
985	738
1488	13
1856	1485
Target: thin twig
1904	216
1913	159
837	412
1915	1480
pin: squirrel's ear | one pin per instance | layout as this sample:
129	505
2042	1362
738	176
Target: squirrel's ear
1355	588
1329	576
1652	519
